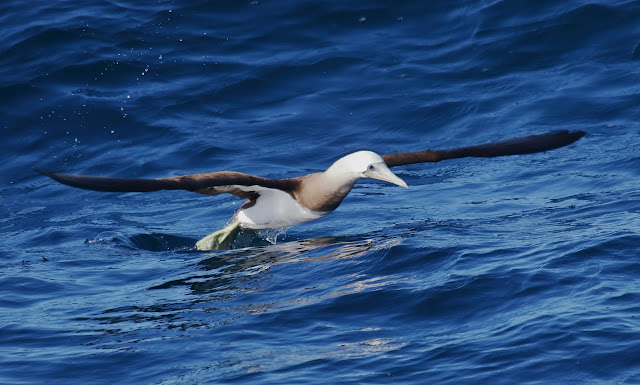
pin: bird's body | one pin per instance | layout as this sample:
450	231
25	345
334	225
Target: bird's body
275	208
273	203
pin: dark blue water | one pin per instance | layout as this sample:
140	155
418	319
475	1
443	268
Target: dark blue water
522	269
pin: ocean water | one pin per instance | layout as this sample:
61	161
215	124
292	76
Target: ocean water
513	270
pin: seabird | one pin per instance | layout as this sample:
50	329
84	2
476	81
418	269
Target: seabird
275	203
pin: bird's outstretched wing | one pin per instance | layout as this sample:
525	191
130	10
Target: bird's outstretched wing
211	183
516	146
249	186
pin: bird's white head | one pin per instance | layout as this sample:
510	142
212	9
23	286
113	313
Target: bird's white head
364	164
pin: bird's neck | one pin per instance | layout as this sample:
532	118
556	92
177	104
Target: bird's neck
324	191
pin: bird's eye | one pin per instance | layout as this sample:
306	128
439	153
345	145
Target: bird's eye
370	168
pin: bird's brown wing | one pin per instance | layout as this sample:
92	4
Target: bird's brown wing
249	186
211	183
516	146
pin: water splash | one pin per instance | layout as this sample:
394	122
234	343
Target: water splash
271	235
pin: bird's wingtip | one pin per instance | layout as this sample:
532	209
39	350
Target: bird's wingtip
568	136
574	136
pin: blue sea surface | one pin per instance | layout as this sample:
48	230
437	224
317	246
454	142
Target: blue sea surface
512	270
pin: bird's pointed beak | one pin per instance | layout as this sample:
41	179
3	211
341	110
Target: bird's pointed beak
381	171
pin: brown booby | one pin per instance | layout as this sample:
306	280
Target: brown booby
274	203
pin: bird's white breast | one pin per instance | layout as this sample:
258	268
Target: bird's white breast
275	208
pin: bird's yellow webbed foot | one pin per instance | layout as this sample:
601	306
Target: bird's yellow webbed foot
221	239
